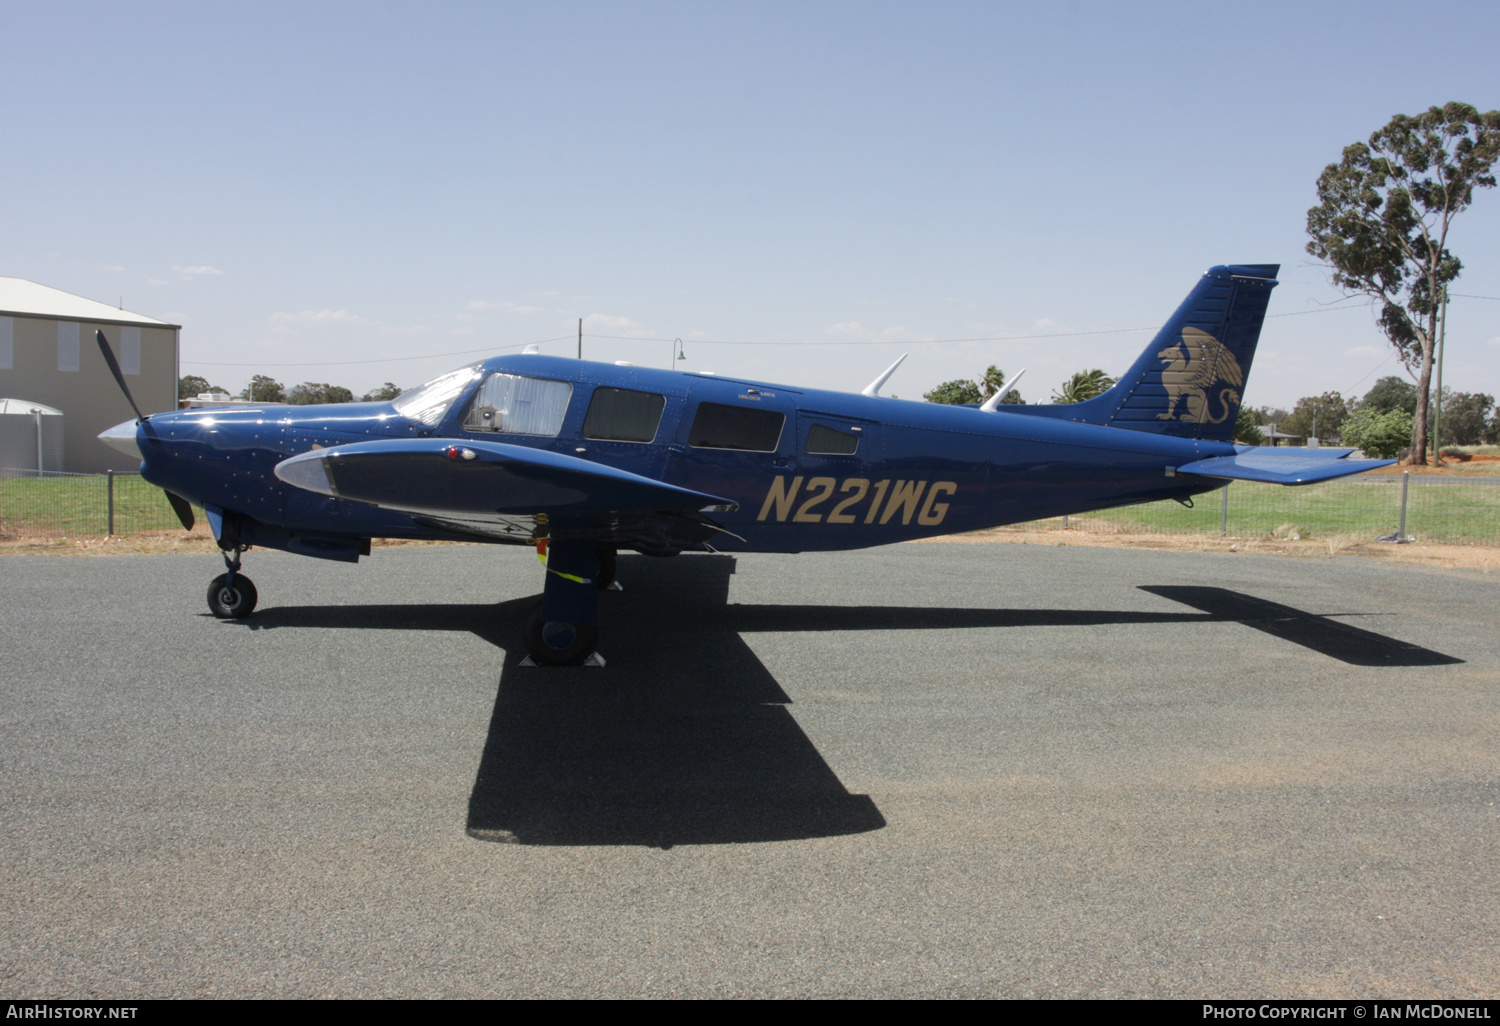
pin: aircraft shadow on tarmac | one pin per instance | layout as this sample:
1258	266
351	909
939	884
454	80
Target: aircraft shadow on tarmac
686	739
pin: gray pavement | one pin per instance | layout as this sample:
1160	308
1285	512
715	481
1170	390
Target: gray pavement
935	769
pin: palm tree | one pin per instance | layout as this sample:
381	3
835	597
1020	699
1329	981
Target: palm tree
991	382
1083	385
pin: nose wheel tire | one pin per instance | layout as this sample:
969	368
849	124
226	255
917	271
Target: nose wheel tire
231	601
559	644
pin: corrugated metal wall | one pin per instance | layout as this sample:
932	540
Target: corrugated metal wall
18	443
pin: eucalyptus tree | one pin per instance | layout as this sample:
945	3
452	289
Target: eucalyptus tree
264	389
1382	221
963	392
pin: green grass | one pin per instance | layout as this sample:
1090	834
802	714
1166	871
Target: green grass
1467	513
78	506
1458	513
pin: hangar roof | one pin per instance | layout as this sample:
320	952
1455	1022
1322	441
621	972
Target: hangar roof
22	298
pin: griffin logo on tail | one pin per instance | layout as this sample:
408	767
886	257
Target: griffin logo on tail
1193	366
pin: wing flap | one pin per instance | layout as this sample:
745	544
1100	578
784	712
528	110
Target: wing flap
471	479
1280	467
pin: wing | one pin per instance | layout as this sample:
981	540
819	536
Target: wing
485	487
1260	463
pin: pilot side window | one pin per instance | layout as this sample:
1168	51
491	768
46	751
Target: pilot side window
623	415
736	427
512	404
825	441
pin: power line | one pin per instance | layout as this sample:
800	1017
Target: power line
925	341
388	359
1462	295
868	341
715	342
1379	365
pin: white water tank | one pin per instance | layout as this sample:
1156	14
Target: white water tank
31	438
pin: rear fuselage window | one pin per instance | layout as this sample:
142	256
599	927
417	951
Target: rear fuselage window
736	427
623	415
511	404
825	441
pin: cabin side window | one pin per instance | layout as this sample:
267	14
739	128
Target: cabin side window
512	404
826	441
623	415
736	427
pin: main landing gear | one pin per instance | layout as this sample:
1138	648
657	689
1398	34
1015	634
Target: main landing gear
232	596
564	630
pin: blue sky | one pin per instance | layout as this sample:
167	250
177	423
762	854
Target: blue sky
303	186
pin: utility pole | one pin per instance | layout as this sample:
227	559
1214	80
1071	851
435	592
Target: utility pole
1437	416
580	338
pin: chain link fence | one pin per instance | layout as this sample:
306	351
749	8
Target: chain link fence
1443	510
58	505
1429	509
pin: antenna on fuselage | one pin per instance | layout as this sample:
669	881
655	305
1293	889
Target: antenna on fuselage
873	388
1006	387
531	350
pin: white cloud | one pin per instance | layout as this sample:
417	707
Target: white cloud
1046	324
598	323
1495	341
113	267
850	329
516	308
1362	352
195	270
321	317
157	281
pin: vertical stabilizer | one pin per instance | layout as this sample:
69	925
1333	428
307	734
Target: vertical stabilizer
1190	380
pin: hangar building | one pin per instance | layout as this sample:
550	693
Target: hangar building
48	356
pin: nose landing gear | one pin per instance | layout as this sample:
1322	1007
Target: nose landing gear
232	596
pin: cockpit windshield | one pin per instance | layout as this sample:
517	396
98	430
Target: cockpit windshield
427	403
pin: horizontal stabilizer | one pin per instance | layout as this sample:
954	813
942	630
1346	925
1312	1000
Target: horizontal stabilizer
1309	453
1287	468
457	477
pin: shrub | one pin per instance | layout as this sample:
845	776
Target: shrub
1381	435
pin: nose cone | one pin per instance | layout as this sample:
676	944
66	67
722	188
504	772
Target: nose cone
122	437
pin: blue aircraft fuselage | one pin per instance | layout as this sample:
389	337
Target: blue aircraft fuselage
588	459
916	469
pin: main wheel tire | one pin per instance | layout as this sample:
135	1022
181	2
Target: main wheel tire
606	575
231	603
559	644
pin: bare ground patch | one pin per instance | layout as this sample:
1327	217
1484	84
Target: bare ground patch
147	544
1448	557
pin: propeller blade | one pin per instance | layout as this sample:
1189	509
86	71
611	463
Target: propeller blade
114	368
181	507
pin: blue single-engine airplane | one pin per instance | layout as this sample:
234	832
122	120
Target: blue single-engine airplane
583	459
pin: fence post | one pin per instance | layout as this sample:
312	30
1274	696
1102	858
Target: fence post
1224	514
1405	484
109	484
